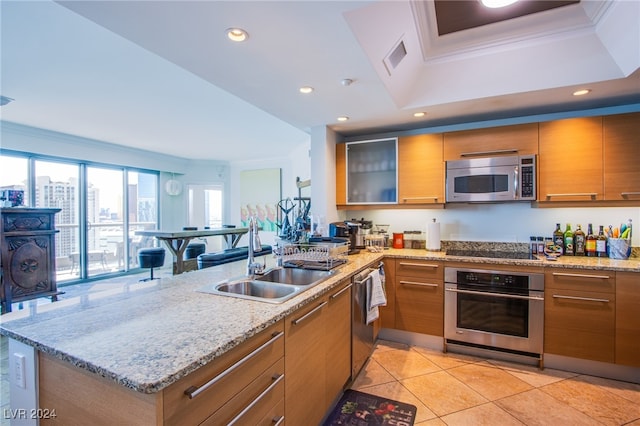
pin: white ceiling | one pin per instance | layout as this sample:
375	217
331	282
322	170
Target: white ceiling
161	76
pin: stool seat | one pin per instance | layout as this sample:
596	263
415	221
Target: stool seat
152	257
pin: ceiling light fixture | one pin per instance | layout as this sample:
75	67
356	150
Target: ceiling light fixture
581	92
237	34
343	118
306	89
347	82
495	4
419	114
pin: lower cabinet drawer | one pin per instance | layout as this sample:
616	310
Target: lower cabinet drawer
195	398
580	324
426	270
420	305
252	404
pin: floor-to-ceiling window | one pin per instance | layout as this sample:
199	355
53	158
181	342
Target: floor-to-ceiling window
101	208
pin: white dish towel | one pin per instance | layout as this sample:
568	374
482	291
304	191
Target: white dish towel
375	295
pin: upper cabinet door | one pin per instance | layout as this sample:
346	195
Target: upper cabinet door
570	160
519	139
372	172
420	169
621	157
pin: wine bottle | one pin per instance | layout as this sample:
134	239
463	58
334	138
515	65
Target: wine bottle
590	243
568	241
558	239
601	243
579	240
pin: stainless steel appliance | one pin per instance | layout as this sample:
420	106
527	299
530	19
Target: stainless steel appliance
491	179
362	338
497	310
347	230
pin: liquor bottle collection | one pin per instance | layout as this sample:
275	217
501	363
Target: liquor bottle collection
581	243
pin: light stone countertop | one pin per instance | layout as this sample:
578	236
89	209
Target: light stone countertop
148	335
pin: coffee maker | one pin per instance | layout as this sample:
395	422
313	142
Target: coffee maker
345	230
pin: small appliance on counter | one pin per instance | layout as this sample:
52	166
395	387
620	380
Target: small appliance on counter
345	230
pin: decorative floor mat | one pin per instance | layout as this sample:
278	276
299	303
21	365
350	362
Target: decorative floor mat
362	409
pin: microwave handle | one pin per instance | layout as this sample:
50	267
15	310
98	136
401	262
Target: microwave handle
516	181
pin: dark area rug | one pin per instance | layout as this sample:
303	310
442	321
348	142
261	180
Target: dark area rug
362	409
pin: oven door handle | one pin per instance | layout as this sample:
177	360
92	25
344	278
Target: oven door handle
503	295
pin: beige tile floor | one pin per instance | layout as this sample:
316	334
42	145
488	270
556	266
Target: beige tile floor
455	389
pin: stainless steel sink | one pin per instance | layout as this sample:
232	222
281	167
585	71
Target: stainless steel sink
246	288
294	276
276	285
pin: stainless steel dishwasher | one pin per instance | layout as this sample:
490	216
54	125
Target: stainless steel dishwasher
362	338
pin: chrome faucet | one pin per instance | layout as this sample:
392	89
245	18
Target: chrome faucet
254	267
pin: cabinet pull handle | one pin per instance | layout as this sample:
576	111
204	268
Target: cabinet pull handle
311	312
624	194
277	421
574	194
564	274
498	151
500	295
419	265
194	391
585	299
419	284
276	379
333	296
405	199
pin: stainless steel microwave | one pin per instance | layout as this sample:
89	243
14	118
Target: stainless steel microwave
492	179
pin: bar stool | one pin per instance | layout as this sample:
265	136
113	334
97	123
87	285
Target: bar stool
151	258
194	250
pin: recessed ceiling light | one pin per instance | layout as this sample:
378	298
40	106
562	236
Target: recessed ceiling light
306	89
581	92
237	34
494	4
343	118
419	114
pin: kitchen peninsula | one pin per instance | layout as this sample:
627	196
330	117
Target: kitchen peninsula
137	343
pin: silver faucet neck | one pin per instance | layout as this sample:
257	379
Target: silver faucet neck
253	267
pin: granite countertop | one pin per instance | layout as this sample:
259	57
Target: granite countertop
148	335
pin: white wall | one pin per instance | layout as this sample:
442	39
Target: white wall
295	164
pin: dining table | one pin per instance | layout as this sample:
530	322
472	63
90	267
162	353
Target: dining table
177	241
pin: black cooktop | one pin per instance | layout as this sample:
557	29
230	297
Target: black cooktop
492	254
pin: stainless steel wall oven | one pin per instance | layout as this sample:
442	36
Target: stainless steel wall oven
495	310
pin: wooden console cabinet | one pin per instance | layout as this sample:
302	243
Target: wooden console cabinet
27	242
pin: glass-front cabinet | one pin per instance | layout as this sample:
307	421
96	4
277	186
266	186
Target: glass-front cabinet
372	172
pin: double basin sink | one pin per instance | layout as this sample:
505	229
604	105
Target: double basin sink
276	285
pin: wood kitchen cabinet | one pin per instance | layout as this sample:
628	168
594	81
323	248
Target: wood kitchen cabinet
420	296
338	341
341	174
245	384
305	360
621	154
421	169
519	139
28	255
627	319
388	312
570	166
317	356
580	313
